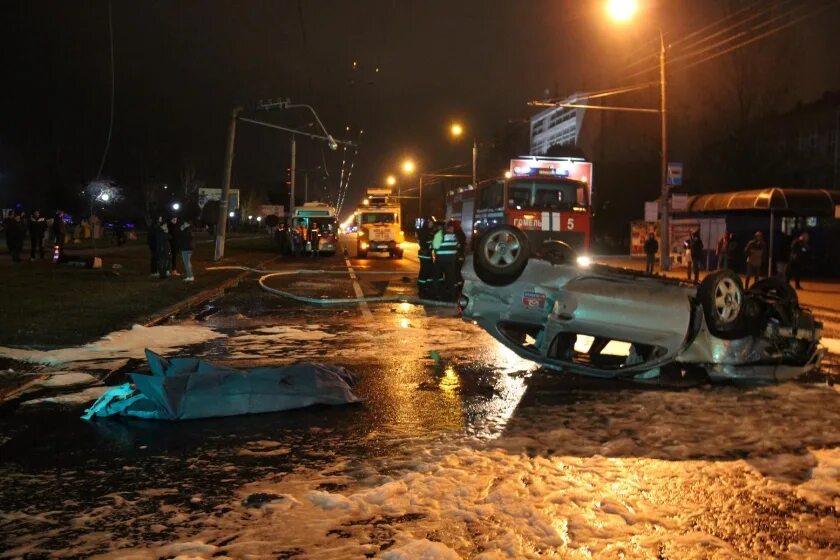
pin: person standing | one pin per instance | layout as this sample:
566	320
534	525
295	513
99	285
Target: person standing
461	255
183	231
437	271
754	250
37	226
799	252
727	251
59	231
314	238
447	254
651	247
163	249
426	281
15	233
173	245
695	247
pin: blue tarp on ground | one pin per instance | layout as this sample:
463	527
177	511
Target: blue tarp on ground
187	388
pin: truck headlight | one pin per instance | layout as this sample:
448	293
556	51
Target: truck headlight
584	261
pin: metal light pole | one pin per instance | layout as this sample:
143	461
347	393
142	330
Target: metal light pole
292	183
664	233
221	223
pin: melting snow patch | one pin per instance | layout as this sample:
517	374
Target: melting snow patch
72	399
120	344
423	549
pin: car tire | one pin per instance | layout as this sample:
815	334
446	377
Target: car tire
501	255
722	297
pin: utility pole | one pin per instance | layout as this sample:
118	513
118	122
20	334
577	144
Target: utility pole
420	199
305	187
292	188
221	224
664	233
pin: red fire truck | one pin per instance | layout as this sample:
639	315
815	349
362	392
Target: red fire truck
547	198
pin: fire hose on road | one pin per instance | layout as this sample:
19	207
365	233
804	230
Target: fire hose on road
266	274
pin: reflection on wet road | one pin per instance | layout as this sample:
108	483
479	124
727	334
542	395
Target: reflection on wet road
460	448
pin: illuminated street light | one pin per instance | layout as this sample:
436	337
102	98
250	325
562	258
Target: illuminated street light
408	167
391	180
231	214
176	206
104	197
622	10
259	218
456	130
250	217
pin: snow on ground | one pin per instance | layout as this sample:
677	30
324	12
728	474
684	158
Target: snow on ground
702	473
119	345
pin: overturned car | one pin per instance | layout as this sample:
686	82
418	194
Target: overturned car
607	322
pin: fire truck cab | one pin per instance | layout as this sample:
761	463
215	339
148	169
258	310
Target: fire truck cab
547	198
378	221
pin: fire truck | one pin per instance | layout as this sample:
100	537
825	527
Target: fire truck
547	198
378	225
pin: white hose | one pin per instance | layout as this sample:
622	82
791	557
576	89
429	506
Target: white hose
266	274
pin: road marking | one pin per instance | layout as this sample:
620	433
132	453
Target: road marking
363	306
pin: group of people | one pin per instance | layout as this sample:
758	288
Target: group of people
728	252
167	239
441	252
18	226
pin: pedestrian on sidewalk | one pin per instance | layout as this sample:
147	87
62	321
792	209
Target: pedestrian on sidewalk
163	249
173	245
651	247
694	249
799	253
183	231
15	233
37	226
755	250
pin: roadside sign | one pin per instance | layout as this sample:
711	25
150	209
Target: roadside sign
679	201
651	211
675	174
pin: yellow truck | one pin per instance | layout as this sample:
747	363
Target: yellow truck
379	225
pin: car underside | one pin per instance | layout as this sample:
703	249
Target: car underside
608	322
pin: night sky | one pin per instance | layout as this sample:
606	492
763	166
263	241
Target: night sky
181	66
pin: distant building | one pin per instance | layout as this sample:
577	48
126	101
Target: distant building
803	143
556	126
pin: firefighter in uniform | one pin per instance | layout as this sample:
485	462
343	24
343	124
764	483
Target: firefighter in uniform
462	250
437	273
426	279
447	254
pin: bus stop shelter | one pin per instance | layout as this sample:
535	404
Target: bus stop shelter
774	209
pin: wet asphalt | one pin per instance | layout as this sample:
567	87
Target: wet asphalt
427	379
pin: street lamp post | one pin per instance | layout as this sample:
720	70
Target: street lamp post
623	11
664	232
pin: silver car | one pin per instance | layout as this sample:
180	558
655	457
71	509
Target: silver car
608	322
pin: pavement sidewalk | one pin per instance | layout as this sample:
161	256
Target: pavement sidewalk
819	294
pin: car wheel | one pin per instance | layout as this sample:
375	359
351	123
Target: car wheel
722	296
501	255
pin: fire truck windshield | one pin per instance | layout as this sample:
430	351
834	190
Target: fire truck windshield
542	194
379	218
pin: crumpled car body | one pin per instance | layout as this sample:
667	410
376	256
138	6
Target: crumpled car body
189	388
608	322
